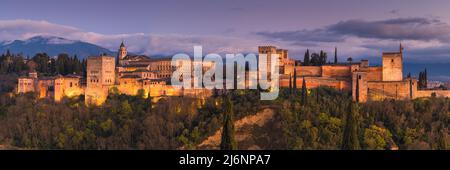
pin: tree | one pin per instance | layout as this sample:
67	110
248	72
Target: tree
350	139
357	89
350	60
290	84
335	55
304	93
228	141
322	58
306	58
295	83
377	138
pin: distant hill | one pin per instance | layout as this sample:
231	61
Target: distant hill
52	46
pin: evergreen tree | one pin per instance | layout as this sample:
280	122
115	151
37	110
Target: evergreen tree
335	55
290	84
295	83
304	93
228	141
357	89
350	139
306	60
425	78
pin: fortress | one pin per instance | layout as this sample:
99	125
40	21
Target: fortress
141	75
366	83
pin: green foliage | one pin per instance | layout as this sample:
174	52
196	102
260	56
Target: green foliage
350	139
228	141
126	122
377	138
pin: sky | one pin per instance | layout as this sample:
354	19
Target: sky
358	28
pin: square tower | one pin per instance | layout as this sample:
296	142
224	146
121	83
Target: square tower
100	77
392	66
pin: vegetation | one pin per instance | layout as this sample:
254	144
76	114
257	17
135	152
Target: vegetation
333	121
228	142
315	59
42	63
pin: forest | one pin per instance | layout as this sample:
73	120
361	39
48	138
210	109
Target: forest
321	118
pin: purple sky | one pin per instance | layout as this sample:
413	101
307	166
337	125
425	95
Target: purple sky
358	28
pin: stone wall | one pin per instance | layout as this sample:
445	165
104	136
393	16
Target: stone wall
67	87
309	71
314	82
336	71
429	93
374	73
399	90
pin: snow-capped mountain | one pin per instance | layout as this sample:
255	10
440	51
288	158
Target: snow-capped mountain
52	46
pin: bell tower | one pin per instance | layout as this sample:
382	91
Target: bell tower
122	53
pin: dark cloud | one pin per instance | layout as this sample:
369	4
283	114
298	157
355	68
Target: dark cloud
393	29
394	12
302	36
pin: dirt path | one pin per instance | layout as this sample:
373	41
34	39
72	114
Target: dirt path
259	119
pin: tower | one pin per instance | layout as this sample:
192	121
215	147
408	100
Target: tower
122	53
100	78
393	65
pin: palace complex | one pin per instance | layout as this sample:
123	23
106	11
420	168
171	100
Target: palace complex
139	74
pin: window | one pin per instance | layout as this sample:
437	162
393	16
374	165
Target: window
392	60
70	84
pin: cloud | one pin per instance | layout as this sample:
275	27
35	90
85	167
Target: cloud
394	29
424	39
142	43
302	36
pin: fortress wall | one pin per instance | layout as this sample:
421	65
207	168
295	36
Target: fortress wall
398	90
309	71
129	86
67	87
429	93
314	82
336	71
375	74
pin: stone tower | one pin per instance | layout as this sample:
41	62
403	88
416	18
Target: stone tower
393	65
100	78
122	53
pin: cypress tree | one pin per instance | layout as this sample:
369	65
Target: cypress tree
350	139
335	55
295	83
290	84
306	58
228	141
425	79
357	89
304	93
